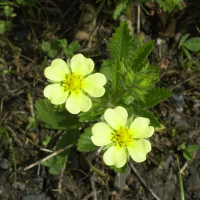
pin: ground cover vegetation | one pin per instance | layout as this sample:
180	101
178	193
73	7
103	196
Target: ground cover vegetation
99	99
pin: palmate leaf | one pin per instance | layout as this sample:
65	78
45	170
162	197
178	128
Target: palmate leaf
154	96
52	119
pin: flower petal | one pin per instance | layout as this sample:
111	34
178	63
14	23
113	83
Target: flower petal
81	65
94	83
78	102
115	156
116	117
55	93
57	70
138	149
140	128
101	134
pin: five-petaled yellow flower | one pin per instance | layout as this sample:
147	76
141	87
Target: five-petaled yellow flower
121	140
73	84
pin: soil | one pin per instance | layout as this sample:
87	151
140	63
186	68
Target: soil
86	177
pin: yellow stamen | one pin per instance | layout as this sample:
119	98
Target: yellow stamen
122	137
73	83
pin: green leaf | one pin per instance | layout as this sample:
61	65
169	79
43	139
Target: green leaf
170	5
140	112
106	69
58	162
121	44
93	114
120	7
63	43
46	46
52	119
154	96
183	40
52	53
187	155
187	53
55	169
140	55
74	46
5	26
85	143
192	148
50	162
193	44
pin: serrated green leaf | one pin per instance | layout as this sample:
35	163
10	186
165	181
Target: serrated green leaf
85	143
192	148
106	69
183	40
52	119
93	114
140	112
154	96
170	5
121	6
140	55
187	155
193	44
121	44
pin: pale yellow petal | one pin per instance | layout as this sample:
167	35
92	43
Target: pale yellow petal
57	70
94	83
140	128
115	156
81	65
139	149
101	134
55	93
77	103
116	117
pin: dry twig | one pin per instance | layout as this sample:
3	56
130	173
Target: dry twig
50	156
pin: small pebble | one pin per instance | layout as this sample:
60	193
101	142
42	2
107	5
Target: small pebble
34	197
21	186
4	163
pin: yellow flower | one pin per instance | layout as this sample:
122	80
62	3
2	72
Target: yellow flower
73	84
121	140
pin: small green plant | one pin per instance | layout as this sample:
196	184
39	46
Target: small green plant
187	150
117	96
53	47
32	123
170	5
192	44
5	25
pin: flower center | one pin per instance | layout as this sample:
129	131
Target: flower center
73	83
122	137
